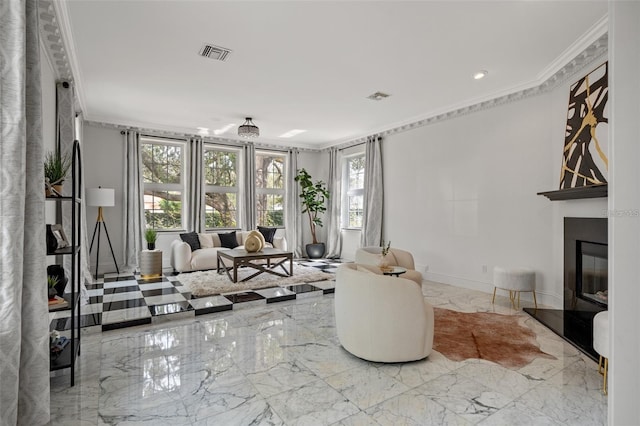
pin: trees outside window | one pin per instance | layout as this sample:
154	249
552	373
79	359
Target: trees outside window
163	179
270	188
353	192
220	187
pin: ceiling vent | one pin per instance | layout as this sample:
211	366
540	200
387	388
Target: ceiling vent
378	96
214	52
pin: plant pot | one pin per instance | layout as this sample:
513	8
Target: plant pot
151	246
57	190
315	251
52	292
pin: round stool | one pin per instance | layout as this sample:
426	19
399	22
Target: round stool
515	280
601	344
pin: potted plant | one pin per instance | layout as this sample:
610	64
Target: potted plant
383	262
52	282
314	197
151	235
56	167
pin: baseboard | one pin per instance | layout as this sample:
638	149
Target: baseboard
543	298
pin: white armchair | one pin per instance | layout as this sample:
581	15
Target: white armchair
381	318
396	257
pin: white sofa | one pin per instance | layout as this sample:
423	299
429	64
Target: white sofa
381	318
396	257
183	259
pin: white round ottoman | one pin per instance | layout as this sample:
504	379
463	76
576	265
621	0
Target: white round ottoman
601	344
515	280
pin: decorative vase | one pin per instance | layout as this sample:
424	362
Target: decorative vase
383	262
151	246
315	251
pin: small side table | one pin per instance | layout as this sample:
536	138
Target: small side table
150	264
396	271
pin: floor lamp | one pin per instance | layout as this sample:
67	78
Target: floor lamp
101	197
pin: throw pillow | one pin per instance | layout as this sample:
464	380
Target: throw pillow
192	239
205	240
268	233
229	240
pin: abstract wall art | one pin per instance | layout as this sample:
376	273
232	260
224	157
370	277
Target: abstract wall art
584	157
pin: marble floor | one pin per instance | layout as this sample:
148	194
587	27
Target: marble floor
281	363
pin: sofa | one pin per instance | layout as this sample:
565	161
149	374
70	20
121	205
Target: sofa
381	318
396	257
184	259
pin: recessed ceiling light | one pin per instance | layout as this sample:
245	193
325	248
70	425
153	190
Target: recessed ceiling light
480	74
378	96
291	133
203	131
223	129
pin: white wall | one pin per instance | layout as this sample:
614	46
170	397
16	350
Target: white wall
103	152
461	195
624	196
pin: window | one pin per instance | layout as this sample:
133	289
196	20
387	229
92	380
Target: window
270	188
353	192
163	178
220	187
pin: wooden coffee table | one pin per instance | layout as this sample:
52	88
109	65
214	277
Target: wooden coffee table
273	257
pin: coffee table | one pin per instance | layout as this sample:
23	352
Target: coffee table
240	257
394	270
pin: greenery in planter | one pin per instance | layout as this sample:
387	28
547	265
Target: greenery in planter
314	197
56	167
52	281
150	235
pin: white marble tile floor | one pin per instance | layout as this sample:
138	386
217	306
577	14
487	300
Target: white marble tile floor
281	364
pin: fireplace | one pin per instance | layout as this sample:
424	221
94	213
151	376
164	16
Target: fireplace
585	283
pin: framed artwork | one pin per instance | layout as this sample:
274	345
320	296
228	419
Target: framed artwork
56	239
584	156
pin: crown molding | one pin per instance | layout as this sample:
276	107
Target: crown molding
596	50
185	135
52	40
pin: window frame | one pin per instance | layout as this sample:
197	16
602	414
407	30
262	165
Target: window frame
273	191
238	189
348	192
169	187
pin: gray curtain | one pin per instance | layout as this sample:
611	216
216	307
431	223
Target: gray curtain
133	199
195	217
249	218
334	240
373	194
24	329
293	218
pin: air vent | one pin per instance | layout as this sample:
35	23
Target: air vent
378	96
214	52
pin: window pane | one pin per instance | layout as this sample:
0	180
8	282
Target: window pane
220	168
221	210
161	163
269	171
356	173
163	209
355	211
270	209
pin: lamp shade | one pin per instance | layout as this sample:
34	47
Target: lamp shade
100	197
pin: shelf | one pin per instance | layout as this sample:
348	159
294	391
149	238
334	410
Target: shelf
64	359
70	303
583	192
63	198
66	250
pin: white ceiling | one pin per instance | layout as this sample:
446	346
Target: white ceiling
311	64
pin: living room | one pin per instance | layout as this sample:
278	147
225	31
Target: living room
460	178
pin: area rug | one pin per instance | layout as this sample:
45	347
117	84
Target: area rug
208	283
482	335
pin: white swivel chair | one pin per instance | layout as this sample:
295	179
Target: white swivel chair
381	318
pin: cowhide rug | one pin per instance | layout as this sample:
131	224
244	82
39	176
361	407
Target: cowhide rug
483	335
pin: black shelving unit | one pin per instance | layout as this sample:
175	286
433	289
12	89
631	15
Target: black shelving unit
67	358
